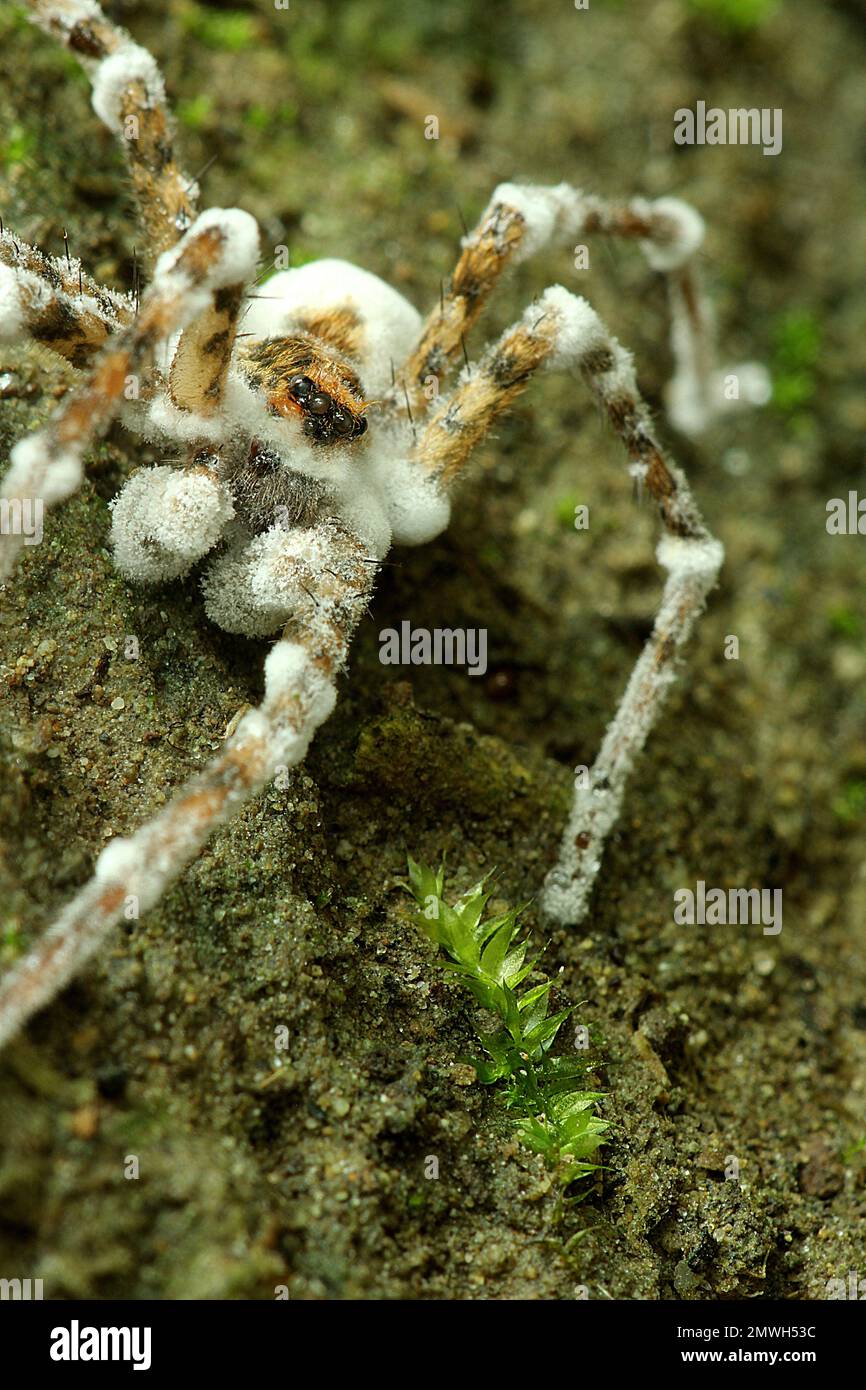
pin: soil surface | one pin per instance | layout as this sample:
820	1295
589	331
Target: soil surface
157	1139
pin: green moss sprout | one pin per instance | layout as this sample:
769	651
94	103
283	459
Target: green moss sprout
542	1093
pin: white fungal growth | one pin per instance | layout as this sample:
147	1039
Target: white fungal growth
114	75
699	557
195	510
316	577
164	520
245	412
11	311
285	666
693	566
678	232
258	583
417	506
579	329
365	512
117	860
389	323
239	250
289	671
165	420
24	294
238	253
557	211
30	476
755	385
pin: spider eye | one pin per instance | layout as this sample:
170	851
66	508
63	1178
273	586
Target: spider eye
310	427
301	387
319	404
343	423
361	426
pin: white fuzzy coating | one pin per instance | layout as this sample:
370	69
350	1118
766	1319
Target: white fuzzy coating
196	509
693	565
76	11
118	861
579	328
681	556
258	583
681	234
285	666
755	385
63	478
693	405
255	586
29	476
390	323
688	407
240	249
11	308
238	254
22	292
247	412
548	212
287	669
113	76
164	520
165	420
365	512
253	726
418	509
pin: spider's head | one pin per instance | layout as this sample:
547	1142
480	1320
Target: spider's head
305	380
328	418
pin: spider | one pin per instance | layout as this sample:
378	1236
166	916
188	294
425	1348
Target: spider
298	451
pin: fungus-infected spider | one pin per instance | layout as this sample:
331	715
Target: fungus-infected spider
282	474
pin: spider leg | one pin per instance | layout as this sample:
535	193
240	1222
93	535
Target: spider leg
165	519
197	376
220	248
300	676
522	220
55	302
562	330
129	98
259	585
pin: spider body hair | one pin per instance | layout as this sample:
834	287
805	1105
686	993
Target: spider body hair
262	489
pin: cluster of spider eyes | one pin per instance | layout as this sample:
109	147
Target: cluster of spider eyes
318	404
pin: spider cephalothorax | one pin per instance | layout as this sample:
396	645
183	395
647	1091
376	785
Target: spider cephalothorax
299	376
271	481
